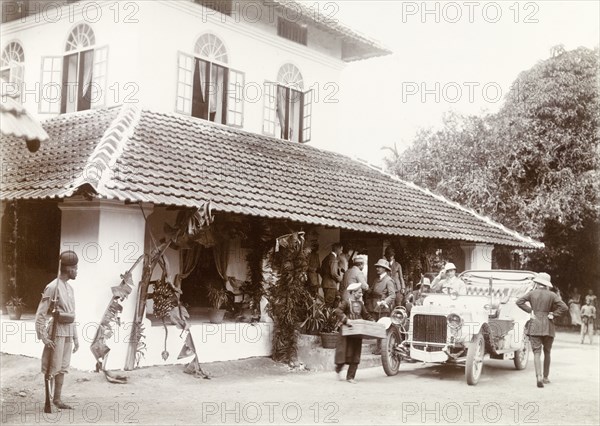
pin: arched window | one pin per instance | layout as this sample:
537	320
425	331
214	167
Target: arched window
80	74
13	65
210	47
207	87
81	38
289	75
287	108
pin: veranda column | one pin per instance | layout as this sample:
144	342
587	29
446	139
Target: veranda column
477	255
108	236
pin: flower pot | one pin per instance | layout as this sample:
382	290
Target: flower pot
14	312
329	340
216	315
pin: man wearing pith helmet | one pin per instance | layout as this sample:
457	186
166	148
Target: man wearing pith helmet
544	306
447	281
56	356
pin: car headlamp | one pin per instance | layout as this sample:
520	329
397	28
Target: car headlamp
454	321
398	315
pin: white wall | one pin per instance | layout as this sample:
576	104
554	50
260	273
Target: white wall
108	237
142	55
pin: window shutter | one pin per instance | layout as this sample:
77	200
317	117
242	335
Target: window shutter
98	89
185	79
50	89
306	116
269	110
235	98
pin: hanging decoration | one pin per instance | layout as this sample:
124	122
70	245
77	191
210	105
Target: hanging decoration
191	228
190	225
111	318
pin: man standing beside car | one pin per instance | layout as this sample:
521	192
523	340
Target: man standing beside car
544	306
396	274
381	295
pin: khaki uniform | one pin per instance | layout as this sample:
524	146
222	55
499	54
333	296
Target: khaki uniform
66	333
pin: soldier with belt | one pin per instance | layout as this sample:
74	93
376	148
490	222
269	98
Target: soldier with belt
58	295
544	306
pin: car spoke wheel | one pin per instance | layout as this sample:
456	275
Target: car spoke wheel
522	355
475	355
390	358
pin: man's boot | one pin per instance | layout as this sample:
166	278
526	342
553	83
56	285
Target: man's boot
537	362
58	384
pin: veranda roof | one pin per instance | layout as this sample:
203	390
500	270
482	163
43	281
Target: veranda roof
128	154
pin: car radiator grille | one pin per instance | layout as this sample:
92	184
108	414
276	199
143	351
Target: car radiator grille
429	328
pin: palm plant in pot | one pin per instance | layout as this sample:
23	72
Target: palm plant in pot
14	306
329	328
218	298
314	317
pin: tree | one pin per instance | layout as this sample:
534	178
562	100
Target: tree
533	166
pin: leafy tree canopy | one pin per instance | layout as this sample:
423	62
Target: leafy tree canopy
532	166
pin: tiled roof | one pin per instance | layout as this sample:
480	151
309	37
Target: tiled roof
16	120
327	21
171	159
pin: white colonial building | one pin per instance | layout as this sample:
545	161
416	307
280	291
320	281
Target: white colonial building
157	106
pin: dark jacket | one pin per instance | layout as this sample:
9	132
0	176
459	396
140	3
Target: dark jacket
381	289
542	302
330	272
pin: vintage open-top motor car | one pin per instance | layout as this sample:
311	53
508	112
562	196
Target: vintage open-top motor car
463	328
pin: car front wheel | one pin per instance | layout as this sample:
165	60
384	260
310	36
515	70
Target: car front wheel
474	363
390	358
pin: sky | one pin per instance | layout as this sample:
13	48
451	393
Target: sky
460	56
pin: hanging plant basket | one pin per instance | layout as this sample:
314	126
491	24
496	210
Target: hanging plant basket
329	340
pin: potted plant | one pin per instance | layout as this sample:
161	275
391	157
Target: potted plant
14	306
329	327
314	318
218	298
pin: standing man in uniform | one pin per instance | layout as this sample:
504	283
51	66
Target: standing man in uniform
381	295
396	274
543	306
332	276
313	270
57	352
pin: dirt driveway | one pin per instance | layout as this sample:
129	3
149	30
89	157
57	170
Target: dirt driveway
259	391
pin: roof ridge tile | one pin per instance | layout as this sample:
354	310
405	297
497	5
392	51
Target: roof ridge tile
98	169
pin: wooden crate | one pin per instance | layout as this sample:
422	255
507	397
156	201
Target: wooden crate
364	329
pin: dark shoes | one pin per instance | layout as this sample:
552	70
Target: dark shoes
540	382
